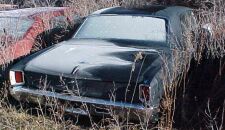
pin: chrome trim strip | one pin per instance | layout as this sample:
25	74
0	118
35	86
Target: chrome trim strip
76	111
16	91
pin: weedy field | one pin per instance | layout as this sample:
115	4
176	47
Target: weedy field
194	101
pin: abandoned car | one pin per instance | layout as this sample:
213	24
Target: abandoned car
20	29
112	63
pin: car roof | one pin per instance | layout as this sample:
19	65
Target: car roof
29	12
156	10
170	13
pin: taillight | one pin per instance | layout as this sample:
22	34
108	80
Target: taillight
144	92
16	77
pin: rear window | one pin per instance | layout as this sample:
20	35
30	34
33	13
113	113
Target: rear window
124	27
16	27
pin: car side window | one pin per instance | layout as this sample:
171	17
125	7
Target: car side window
188	26
188	22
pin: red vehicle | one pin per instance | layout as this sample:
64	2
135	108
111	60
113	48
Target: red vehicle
20	29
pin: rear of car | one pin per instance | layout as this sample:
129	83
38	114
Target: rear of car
77	88
92	102
112	65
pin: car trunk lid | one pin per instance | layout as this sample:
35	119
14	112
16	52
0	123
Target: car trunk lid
95	61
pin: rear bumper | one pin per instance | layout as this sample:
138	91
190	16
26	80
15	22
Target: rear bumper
136	111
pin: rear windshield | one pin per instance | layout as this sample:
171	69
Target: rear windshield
16	27
123	27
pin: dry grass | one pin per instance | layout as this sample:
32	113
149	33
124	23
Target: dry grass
12	118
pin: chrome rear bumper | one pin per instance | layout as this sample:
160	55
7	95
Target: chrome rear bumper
21	93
